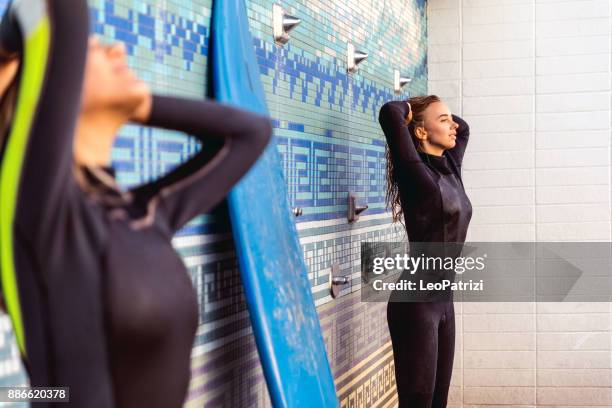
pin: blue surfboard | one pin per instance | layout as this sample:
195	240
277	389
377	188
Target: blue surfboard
275	279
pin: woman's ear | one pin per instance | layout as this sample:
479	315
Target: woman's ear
421	133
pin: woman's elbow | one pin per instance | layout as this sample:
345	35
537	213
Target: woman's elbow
251	130
252	140
385	111
263	132
392	111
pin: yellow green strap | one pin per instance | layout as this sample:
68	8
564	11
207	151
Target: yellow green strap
36	50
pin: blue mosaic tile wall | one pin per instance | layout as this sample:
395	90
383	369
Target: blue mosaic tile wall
326	124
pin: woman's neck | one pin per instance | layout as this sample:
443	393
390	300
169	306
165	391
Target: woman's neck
429	148
94	137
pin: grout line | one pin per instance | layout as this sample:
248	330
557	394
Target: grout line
610	162
461	68
535	175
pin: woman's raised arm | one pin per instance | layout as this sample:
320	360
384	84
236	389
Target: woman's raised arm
463	135
38	155
406	160
232	140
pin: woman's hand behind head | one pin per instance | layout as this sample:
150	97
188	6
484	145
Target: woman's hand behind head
8	94
8	70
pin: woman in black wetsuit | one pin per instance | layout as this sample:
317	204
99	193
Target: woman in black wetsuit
426	144
99	299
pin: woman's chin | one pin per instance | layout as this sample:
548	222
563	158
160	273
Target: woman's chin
139	87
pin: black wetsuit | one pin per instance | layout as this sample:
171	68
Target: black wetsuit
436	209
107	306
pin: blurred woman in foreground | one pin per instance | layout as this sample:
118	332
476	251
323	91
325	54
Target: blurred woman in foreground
99	299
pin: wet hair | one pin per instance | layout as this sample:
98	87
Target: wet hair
415	119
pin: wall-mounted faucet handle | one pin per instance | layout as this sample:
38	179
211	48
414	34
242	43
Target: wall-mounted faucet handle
361	208
340	280
353	209
282	24
354	57
399	81
337	281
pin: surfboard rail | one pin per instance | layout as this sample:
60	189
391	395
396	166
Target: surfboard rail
274	275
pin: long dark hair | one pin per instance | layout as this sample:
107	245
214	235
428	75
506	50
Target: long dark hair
415	119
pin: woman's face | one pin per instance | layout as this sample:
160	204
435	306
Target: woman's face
109	84
439	126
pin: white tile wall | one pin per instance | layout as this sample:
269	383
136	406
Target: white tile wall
533	79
